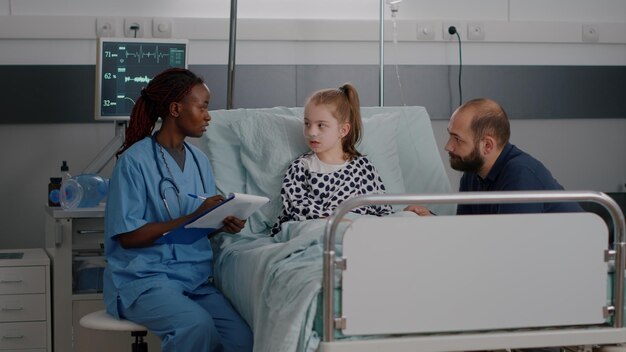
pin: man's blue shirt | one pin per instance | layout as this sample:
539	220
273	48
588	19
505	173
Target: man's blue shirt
514	170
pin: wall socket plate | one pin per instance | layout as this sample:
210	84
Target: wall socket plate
459	28
426	31
162	28
590	33
475	31
106	27
130	22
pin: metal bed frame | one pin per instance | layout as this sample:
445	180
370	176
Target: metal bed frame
610	334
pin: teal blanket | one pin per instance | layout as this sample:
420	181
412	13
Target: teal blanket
274	284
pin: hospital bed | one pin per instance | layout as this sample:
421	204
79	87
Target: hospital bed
402	282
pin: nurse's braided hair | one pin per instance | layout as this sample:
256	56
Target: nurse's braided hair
345	105
169	86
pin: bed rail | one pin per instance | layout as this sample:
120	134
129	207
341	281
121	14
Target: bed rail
331	262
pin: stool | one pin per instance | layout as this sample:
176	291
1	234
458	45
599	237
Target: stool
101	320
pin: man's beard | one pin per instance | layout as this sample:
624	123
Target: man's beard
472	163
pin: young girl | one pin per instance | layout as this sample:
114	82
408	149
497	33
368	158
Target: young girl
333	171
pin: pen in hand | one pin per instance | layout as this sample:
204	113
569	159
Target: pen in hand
196	196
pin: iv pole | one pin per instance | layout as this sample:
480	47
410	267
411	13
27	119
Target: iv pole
232	41
381	47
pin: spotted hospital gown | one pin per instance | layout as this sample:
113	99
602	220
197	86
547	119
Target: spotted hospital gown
311	195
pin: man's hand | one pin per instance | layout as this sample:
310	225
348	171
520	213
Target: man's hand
419	210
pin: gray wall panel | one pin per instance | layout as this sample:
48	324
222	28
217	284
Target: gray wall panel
265	86
216	78
550	92
255	86
427	86
314	77
47	94
535	92
64	93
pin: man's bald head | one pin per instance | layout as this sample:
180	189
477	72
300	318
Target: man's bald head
487	118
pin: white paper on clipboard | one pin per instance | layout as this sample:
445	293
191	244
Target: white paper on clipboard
237	204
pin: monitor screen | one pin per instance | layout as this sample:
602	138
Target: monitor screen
125	65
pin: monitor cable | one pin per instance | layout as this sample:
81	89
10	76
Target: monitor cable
134	28
452	30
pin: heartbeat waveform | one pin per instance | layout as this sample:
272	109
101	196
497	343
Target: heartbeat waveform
139	55
140	79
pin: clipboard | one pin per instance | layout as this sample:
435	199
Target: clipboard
237	204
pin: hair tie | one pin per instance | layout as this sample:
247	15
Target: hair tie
144	94
343	90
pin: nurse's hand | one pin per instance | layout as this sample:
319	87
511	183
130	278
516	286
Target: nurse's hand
233	224
209	203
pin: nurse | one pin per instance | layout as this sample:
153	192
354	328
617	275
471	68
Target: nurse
168	288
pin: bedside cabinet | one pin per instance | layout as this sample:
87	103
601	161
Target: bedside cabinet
25	301
75	237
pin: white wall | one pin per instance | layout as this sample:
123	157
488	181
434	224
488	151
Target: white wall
583	154
515	10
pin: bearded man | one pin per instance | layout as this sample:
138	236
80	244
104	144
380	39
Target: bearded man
479	146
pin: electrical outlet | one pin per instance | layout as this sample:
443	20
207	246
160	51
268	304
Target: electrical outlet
447	35
105	27
425	31
590	33
162	28
135	27
475	31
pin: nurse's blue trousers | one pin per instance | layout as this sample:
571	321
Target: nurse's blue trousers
190	323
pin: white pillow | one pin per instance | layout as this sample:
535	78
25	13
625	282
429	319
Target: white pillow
378	144
222	146
418	152
270	141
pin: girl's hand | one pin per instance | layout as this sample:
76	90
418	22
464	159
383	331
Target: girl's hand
233	224
419	210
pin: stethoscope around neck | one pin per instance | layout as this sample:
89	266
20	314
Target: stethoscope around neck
165	180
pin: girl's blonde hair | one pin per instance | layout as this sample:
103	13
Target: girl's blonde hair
345	107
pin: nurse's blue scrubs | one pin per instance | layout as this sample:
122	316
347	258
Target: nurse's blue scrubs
166	288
